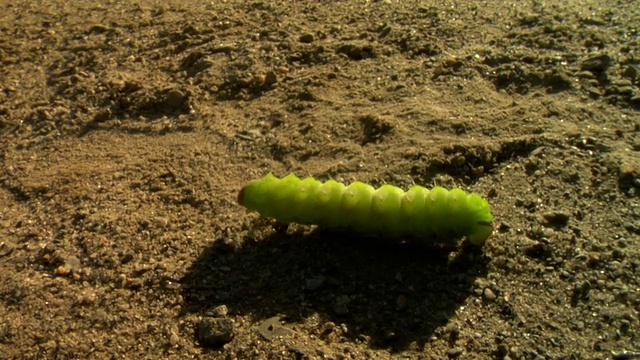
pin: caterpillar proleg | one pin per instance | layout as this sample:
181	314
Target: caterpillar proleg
429	216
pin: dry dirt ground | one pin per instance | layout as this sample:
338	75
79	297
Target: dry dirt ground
128	127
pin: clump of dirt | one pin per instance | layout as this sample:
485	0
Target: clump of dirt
127	130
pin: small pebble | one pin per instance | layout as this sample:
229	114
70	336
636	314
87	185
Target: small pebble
220	311
72	264
175	98
504	226
271	328
454	352
61	271
626	170
215	332
329	326
503	350
625	326
629	226
270	78
597	63
174	339
632	72
87	298
127	258
454	333
134	283
489	294
560	218
306	38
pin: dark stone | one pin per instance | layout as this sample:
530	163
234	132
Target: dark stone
215	332
597	63
454	352
306	38
559	218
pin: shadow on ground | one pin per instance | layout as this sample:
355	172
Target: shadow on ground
392	294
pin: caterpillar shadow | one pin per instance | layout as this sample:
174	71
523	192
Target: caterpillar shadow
393	294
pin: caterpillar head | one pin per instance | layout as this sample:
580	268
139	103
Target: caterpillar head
481	220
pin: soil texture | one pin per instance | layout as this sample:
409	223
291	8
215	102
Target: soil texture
127	129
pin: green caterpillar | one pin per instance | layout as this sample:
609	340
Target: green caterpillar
419	214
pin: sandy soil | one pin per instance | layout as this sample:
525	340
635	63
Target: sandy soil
128	127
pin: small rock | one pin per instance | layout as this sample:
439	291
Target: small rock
480	283
329	326
541	350
102	115
454	352
270	78
174	339
504	226
630	227
594	260
126	258
272	327
580	292
585	75
357	51
489	294
133	283
625	356
215	332
538	250
595	92
161	222
175	98
454	333
87	298
72	264
220	311
559	218
627	170
631	72
623	82
61	271
625	326
548	233
49	345
624	90
597	63
502	350
385	30
6	248
306	38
